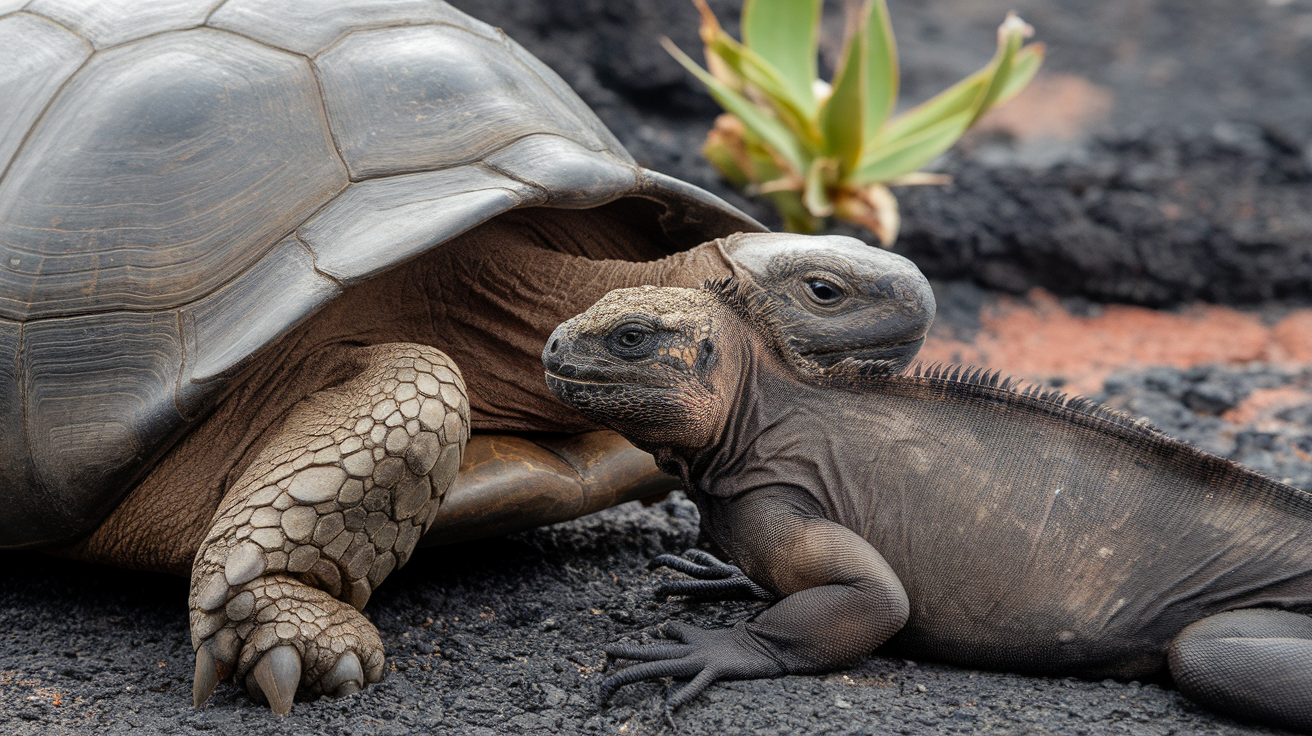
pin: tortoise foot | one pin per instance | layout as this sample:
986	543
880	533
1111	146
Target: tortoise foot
332	504
291	641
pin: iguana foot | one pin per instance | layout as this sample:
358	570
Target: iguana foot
1252	664
704	655
716	580
332	504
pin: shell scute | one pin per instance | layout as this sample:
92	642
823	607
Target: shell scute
378	223
36	58
429	97
26	510
225	329
568	174
99	394
159	173
111	22
310	26
569	98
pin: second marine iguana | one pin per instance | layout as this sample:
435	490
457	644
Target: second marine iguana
944	515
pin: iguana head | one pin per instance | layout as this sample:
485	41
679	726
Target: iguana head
835	297
652	363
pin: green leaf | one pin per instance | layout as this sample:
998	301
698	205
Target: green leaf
1008	45
1023	68
841	126
722	157
945	104
815	197
913	150
963	95
783	32
796	218
760	74
881	69
771	132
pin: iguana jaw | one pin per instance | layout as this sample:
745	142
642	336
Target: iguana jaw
552	378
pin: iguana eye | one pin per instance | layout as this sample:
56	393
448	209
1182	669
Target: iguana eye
630	340
823	291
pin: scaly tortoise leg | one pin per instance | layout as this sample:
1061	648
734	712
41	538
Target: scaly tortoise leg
333	503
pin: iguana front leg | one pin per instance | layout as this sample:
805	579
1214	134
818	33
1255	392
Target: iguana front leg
841	601
1253	664
335	500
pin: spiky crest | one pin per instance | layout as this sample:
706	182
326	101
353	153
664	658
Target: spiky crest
957	382
748	301
849	370
1037	393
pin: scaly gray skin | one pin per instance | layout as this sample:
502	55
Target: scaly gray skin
944	515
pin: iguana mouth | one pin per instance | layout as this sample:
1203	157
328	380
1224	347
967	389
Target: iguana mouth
562	379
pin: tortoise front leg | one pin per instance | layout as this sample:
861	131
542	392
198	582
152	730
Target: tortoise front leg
509	483
333	503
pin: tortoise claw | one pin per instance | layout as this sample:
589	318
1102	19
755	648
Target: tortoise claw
277	675
207	676
347	678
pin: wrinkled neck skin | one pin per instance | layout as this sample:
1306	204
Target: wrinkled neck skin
491	297
764	397
746	370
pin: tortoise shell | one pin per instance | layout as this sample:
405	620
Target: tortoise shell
184	181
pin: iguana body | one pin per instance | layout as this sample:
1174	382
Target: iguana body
947	515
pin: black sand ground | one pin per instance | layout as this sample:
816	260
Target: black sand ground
1212	116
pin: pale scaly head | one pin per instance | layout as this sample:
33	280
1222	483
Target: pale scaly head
648	363
835	297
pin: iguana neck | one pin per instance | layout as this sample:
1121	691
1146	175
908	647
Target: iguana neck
760	388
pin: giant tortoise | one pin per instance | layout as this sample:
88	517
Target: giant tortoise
229	338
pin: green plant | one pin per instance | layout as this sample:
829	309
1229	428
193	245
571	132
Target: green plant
819	149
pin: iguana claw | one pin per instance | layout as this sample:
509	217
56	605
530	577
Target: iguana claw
277	675
715	578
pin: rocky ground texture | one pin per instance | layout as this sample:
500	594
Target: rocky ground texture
1164	156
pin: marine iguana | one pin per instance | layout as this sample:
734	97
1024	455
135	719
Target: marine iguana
944	515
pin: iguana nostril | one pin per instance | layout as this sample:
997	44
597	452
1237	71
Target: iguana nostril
555	345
